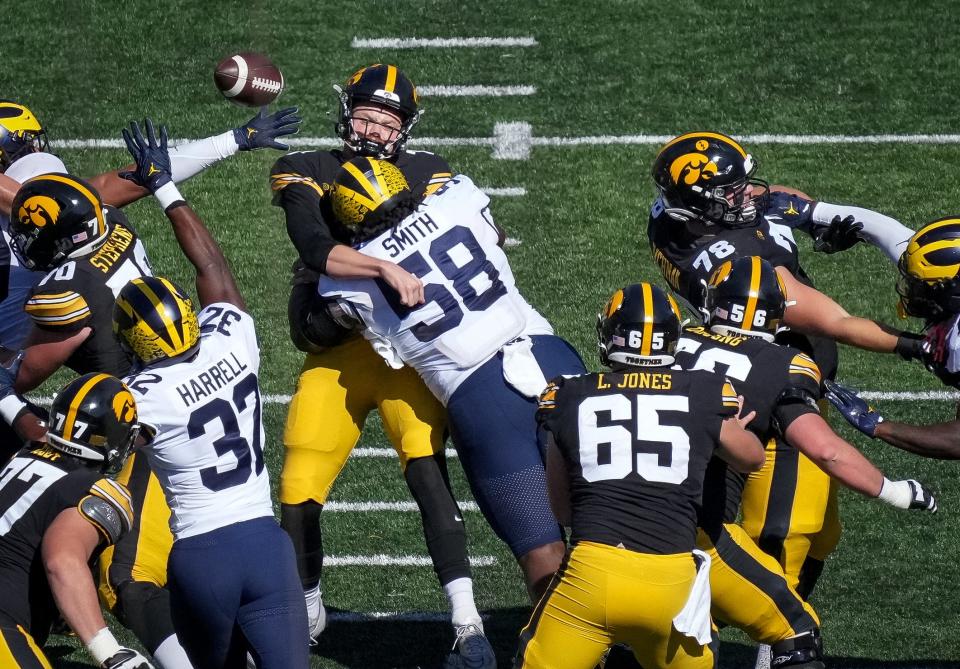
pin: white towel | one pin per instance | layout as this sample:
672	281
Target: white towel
384	349
521	369
694	618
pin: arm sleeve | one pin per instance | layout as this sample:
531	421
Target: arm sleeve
887	234
799	396
188	160
299	195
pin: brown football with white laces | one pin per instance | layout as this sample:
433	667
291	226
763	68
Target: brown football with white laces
248	78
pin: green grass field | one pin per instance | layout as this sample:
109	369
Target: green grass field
620	68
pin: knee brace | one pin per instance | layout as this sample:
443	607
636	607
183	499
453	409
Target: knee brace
443	526
804	651
302	523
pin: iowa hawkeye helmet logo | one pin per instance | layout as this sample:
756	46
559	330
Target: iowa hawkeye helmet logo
39	210
124	408
693	167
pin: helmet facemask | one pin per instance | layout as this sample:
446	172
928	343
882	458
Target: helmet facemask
929	300
360	144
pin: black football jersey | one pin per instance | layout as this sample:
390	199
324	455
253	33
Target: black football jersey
35	487
687	261
636	445
301	185
81	293
778	382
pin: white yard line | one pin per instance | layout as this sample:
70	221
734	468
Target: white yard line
440	42
363	507
515	140
506	191
381	560
475	91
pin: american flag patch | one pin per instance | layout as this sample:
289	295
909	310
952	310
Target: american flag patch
79	237
618	341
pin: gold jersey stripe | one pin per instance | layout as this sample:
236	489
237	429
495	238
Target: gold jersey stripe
76	402
280	181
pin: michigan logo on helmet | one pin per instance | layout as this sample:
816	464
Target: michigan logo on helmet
383	86
20	133
929	283
746	296
365	190
708	176
94	417
155	319
55	217
639	326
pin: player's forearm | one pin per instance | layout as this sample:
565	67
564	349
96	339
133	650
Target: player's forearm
940	441
8	190
884	232
345	262
841	461
215	282
75	594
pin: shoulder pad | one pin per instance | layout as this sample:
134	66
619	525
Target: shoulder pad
108	508
804	365
57	309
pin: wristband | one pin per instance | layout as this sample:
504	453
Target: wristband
896	493
10	407
103	646
167	194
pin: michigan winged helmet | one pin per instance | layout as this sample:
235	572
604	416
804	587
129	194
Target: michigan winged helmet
365	190
929	283
155	319
20	133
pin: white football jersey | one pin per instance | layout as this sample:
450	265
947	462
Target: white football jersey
205	414
472	306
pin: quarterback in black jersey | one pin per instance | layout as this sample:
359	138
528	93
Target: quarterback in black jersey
343	379
626	455
745	304
58	510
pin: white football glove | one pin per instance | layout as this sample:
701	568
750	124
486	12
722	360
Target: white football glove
126	658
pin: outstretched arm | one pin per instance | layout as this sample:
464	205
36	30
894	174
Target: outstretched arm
215	282
188	160
814	313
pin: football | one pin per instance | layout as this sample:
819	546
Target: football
249	79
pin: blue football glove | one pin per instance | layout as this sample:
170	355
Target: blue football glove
853	407
151	156
261	131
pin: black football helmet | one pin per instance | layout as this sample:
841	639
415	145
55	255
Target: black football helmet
155	320
94	417
746	296
383	85
929	283
705	177
639	327
55	217
20	133
365	190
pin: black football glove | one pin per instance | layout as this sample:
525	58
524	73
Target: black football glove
126	658
151	156
853	407
840	235
261	131
923	499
